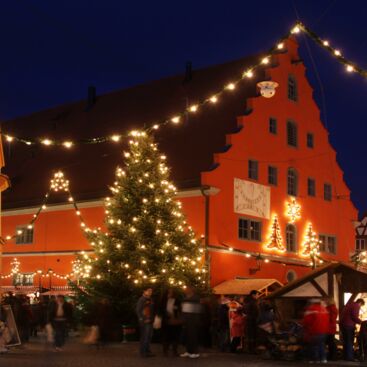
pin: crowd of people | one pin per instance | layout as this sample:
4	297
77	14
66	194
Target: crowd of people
247	324
232	324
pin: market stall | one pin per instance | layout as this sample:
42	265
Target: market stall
338	280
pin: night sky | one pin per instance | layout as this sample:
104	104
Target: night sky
52	50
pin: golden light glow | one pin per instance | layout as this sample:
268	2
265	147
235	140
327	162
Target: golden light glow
293	211
275	241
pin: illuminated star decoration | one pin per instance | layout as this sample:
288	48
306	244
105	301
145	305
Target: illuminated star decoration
15	265
59	183
293	211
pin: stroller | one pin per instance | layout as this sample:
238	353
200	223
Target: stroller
285	345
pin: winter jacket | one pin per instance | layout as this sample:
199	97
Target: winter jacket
52	312
315	321
238	323
333	315
145	310
350	315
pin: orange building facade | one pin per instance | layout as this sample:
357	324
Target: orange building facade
276	162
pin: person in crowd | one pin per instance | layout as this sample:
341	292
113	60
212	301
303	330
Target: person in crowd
330	337
145	313
252	314
36	317
59	315
316	326
191	312
170	311
206	321
223	323
104	320
266	324
237	324
24	319
348	319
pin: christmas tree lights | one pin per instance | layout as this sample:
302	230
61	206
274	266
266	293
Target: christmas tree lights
147	240
311	246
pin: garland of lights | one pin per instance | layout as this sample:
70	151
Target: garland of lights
58	183
350	66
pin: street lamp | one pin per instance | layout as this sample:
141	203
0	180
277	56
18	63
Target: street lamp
39	272
50	272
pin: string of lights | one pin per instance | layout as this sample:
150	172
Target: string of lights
350	66
176	119
60	184
310	248
57	184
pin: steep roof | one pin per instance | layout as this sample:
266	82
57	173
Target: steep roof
353	280
90	168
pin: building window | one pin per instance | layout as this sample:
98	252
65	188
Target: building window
23	279
272	125
327	192
327	244
361	244
291	238
253	169
292	182
310	140
249	230
291	275
272	175
292	134
311	187
292	88
24	235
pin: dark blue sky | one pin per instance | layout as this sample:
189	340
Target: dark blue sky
51	51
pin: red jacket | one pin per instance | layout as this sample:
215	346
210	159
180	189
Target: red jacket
315	320
333	315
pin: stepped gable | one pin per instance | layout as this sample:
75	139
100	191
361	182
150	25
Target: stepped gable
189	146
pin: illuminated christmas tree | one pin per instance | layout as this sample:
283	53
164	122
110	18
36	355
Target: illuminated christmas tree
275	240
148	241
311	246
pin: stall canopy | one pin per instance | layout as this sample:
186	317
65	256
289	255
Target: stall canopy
21	289
243	286
326	281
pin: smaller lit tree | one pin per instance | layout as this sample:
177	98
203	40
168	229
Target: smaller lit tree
275	240
311	246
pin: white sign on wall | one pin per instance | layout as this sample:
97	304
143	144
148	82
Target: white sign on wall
251	198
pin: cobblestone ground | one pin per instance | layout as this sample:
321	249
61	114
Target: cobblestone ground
75	354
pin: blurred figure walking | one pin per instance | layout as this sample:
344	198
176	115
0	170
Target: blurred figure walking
59	314
191	311
330	337
316	325
170	310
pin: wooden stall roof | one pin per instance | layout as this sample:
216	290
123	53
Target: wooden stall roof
243	286
352	279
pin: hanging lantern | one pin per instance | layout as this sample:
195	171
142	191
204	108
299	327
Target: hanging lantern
267	88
